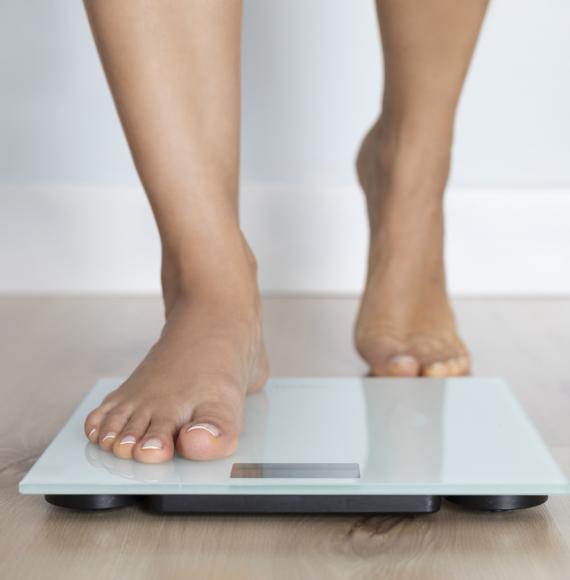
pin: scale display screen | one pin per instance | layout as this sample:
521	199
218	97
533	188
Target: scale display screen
294	470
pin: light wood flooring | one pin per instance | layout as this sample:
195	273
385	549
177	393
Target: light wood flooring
53	349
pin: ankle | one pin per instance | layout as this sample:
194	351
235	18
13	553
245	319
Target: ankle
402	167
403	147
427	129
222	271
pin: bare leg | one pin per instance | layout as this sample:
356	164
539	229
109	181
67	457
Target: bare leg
405	325
173	68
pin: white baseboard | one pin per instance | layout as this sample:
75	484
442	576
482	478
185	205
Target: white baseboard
307	240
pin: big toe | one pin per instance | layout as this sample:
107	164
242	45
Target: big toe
212	433
388	356
402	365
395	365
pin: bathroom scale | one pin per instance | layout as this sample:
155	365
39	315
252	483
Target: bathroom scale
327	445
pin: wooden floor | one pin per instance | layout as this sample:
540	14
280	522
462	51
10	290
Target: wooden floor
53	349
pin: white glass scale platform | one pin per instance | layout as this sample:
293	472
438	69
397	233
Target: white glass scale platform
327	445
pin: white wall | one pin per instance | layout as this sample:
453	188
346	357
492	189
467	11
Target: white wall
311	87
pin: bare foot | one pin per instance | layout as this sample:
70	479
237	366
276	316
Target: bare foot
188	392
405	325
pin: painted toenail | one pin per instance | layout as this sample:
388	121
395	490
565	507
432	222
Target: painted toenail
437	369
402	360
91	432
110	435
152	444
212	429
128	440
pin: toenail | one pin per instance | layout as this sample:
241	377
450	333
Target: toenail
91	432
110	435
212	429
402	360
437	369
152	444
128	440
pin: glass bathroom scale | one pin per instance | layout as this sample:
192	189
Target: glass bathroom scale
327	445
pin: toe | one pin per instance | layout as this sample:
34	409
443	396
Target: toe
450	367
396	365
464	364
131	434
460	365
388	356
439	356
402	365
212	433
157	444
92	425
111	426
91	428
436	370
94	420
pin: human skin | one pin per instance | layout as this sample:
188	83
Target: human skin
174	73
